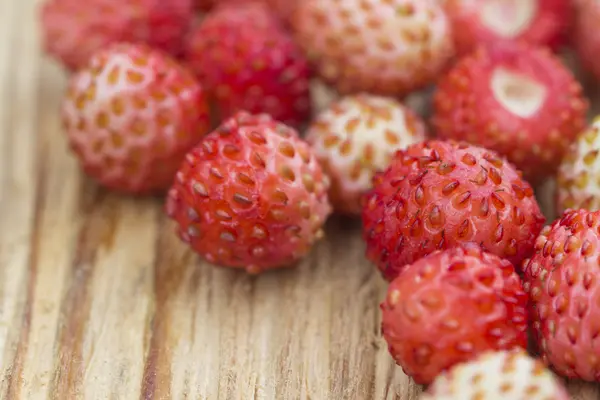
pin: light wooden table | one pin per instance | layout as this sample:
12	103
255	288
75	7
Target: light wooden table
100	300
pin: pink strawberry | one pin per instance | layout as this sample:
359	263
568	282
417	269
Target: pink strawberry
75	29
498	375
245	58
578	180
485	22
518	100
437	195
384	47
131	115
251	195
450	306
563	281
357	137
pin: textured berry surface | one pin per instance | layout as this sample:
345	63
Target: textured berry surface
515	99
75	29
586	38
384	47
578	182
251	195
132	115
450	306
357	137
563	281
438	194
249	62
498	375
487	22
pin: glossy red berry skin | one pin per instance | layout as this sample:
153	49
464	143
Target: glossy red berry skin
73	30
438	194
450	306
515	99
131	116
251	195
248	62
563	282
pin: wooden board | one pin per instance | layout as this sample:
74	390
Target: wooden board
99	300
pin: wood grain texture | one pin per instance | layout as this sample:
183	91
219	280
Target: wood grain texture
99	300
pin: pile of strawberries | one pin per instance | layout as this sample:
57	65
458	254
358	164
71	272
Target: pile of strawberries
207	110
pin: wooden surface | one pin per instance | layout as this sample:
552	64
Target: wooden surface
99	300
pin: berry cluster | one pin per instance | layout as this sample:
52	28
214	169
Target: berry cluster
210	110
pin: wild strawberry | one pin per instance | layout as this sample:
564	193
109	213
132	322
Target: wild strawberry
585	39
483	22
563	281
75	29
578	183
450	306
251	195
356	137
132	115
436	195
245	58
515	99
389	47
498	375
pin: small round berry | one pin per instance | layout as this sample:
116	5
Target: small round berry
76	29
518	100
131	115
562	279
498	375
391	47
251	195
248	62
450	306
357	137
439	194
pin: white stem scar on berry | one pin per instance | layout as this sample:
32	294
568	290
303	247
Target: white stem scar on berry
519	94
508	18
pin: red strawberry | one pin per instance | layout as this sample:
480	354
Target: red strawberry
515	99
586	40
251	195
437	195
132	115
243	55
450	306
485	22
563	281
75	29
391	47
498	375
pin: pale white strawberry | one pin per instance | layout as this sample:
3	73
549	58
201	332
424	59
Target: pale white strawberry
499	375
578	183
390	47
356	137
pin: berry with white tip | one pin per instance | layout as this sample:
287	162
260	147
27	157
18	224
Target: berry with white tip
498	375
355	138
389	47
578	182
